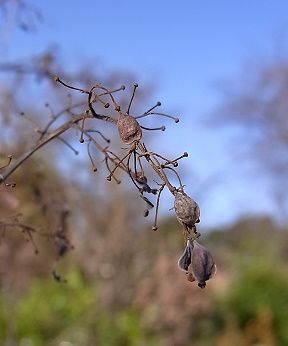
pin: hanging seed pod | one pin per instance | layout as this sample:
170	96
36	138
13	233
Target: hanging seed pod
198	263
202	265
187	210
129	129
185	260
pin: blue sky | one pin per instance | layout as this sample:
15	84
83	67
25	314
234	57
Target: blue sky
184	48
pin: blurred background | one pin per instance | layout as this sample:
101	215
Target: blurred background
222	68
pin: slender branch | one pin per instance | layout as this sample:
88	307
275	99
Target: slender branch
156	167
44	141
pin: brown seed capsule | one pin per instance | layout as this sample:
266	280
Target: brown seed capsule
129	129
187	210
198	263
202	265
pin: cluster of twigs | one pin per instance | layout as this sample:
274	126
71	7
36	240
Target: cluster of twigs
133	163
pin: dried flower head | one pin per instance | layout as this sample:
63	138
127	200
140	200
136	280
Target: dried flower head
198	263
129	129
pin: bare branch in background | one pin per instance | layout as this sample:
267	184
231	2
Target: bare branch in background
257	107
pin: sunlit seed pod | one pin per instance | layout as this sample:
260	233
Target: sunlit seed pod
129	129
186	209
202	265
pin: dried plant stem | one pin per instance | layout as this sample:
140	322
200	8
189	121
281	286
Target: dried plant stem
154	228
156	167
43	142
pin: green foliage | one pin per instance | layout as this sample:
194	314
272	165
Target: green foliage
247	301
261	288
123	329
255	304
51	312
50	307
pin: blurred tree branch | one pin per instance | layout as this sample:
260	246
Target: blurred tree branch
257	105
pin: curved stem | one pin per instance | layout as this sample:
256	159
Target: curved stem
43	142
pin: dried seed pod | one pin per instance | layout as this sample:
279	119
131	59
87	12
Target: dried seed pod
185	260
129	129
198	263
202	265
139	177
187	210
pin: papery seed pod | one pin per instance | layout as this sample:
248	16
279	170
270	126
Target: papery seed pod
186	209
185	260
129	129
202	265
